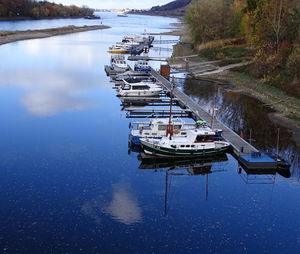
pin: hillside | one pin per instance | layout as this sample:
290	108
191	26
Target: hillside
174	8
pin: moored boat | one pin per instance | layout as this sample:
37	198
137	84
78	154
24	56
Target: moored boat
144	89
197	142
157	128
142	66
118	49
118	63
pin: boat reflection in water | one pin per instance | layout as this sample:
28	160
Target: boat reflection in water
196	166
181	167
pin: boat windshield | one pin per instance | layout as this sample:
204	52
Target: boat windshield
133	80
141	87
125	87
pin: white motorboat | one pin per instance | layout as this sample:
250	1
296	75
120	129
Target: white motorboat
139	39
143	89
118	63
127	45
134	38
118	49
197	142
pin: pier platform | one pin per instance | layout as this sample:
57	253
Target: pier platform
244	152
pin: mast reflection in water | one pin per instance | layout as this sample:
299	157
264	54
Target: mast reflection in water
182	167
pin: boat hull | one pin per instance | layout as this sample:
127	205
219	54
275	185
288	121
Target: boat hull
118	51
155	150
119	69
143	70
137	140
139	94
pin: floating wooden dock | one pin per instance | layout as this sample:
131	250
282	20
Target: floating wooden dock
239	145
165	41
146	58
142	112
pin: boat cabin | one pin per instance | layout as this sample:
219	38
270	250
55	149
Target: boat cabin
142	65
135	86
202	135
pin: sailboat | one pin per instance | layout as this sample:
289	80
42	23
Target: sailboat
196	142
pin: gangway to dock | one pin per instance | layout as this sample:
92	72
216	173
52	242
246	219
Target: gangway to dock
165	41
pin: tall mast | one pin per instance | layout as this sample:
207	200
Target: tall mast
170	126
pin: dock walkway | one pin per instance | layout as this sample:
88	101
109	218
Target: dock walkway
239	145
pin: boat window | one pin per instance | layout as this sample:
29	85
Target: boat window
183	133
173	146
192	145
162	127
177	127
154	134
182	146
147	133
188	146
204	138
126	87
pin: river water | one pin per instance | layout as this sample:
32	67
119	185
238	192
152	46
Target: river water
69	185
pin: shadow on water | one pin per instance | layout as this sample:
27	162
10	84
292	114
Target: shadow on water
247	116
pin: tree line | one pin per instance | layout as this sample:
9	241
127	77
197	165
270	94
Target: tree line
271	28
40	9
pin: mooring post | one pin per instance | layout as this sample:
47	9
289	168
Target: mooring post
186	60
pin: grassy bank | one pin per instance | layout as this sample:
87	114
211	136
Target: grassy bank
12	36
286	106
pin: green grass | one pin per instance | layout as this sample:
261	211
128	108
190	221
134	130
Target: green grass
225	53
293	117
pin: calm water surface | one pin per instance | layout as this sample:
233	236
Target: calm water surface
68	184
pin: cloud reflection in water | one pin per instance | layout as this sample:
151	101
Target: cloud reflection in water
123	207
51	93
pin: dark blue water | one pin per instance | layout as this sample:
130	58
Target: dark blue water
68	184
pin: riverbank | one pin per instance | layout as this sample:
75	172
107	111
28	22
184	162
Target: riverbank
12	36
286	107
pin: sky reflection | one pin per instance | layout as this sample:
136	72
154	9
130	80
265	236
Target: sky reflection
124	206
48	93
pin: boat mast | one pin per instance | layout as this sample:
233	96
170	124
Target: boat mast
213	112
170	126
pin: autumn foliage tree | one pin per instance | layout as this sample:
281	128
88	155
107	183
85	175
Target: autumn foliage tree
214	19
270	27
